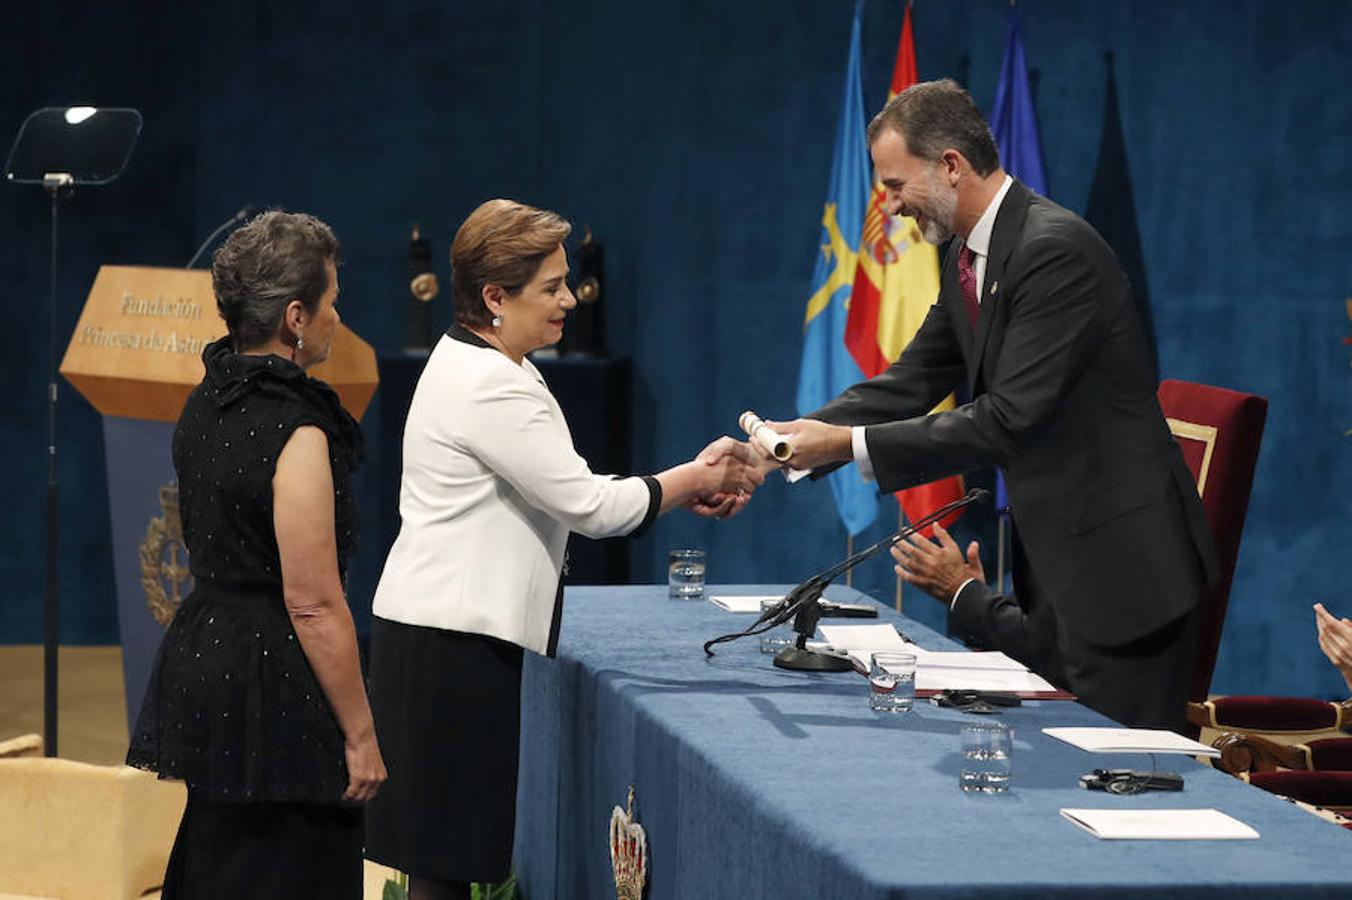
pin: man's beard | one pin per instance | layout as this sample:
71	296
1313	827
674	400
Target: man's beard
939	217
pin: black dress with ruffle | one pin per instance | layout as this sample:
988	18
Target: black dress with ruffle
233	707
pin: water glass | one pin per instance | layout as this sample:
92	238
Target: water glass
781	637
986	758
891	682
685	575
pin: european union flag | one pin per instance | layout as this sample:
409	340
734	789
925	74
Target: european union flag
827	367
1013	120
1014	125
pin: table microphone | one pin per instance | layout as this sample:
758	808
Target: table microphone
781	611
801	603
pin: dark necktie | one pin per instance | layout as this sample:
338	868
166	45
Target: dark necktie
967	281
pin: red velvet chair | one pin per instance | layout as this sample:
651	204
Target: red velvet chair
1271	742
1290	746
1219	432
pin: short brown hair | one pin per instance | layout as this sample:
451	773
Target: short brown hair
502	242
264	265
934	116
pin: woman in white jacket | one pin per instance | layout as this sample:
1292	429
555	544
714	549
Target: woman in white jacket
491	489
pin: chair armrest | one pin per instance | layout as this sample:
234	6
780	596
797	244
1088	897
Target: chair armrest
28	745
1243	753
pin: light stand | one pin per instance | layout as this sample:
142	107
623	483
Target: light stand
59	148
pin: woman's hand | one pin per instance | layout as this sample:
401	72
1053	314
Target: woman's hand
717	483
733	471
365	768
1335	639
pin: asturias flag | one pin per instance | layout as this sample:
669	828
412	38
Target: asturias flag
895	284
827	367
1014	125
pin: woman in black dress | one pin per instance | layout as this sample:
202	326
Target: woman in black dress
256	700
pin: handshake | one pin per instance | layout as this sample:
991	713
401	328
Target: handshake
734	469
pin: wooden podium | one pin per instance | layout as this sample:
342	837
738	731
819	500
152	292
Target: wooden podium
137	349
135	355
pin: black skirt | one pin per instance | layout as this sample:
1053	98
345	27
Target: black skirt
265	851
234	709
447	709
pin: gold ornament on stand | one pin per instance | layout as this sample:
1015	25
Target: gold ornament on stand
163	576
423	287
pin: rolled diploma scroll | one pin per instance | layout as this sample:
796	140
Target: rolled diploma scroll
756	429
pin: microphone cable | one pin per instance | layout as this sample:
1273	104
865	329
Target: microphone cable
240	216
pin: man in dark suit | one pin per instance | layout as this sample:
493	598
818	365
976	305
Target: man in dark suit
1111	545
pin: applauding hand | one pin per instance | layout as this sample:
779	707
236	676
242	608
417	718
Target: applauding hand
937	567
1335	639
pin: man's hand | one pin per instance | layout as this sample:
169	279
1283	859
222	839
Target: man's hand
937	567
1335	639
814	443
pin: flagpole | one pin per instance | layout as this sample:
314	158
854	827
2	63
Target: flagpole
849	551
1000	553
901	524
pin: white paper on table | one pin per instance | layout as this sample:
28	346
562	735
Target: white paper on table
860	642
749	603
942	678
966	659
1130	740
870	638
1160	824
746	604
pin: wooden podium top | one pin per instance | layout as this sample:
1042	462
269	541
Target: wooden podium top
137	349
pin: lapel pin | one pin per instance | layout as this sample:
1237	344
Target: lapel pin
995	286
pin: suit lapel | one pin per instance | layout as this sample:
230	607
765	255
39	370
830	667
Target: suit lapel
1004	235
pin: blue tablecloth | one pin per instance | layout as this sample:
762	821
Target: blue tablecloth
756	782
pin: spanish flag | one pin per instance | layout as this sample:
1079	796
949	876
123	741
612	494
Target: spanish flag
896	282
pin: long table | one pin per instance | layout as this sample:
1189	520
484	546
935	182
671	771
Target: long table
751	781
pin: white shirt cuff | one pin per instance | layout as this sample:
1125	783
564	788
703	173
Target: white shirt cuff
860	450
954	602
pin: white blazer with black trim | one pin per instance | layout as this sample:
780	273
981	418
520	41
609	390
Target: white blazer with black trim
491	488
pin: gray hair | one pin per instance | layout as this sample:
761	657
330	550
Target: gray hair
264	265
934	116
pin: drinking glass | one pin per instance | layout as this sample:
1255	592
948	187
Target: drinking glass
685	575
987	748
891	682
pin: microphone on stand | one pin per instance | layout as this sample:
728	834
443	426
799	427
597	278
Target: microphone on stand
801	603
240	216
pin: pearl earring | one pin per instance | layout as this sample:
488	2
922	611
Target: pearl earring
497	321
300	342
